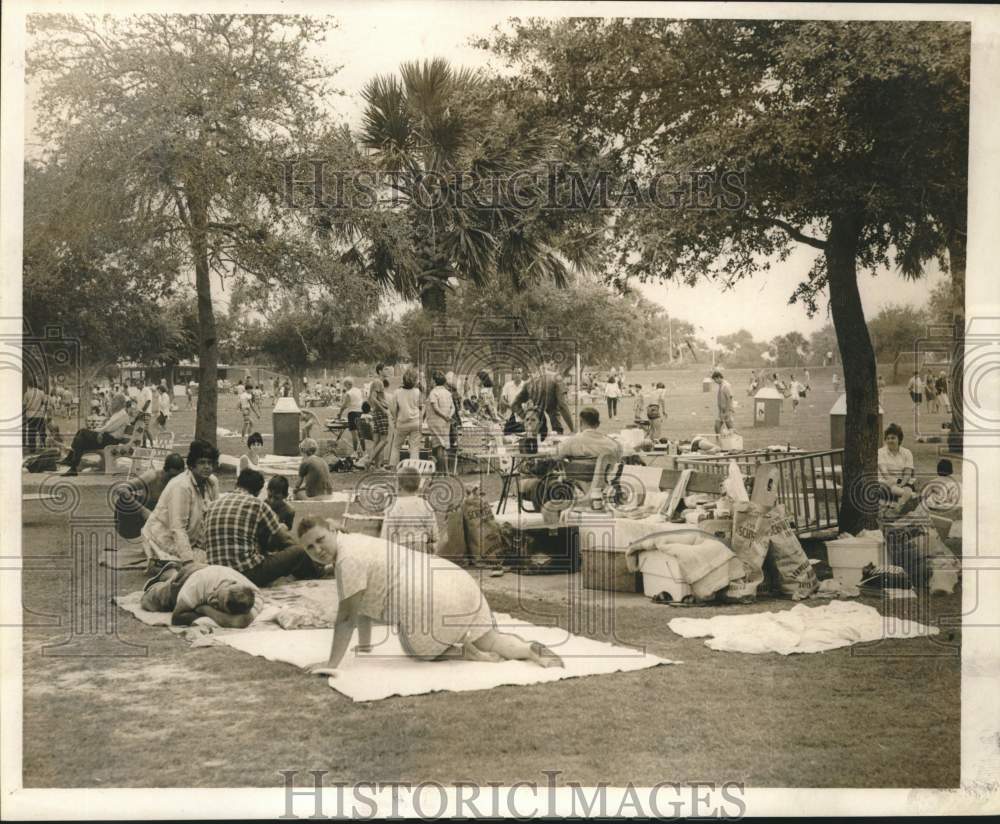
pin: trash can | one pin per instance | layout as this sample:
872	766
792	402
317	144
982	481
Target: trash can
285	419
706	384
767	407
838	418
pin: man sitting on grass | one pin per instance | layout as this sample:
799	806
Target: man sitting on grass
194	591
239	525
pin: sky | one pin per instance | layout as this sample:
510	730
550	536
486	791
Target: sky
375	38
381	37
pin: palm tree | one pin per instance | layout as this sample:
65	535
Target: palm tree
425	130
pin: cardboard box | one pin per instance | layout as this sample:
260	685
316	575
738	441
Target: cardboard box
604	568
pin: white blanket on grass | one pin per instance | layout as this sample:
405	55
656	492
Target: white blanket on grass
799	629
388	671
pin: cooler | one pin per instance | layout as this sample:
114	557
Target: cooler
661	573
847	557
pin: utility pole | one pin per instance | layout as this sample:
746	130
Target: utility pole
670	337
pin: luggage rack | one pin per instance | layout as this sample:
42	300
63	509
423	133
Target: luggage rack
809	483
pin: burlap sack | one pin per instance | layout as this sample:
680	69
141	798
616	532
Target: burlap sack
796	575
483	537
454	547
750	546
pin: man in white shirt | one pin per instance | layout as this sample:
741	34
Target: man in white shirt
798	390
724	403
353	400
145	405
246	407
194	591
35	406
915	387
510	390
163	408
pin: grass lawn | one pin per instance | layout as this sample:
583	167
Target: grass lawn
214	717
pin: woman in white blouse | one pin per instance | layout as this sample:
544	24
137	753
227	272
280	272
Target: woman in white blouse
895	465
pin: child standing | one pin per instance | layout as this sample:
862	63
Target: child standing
410	521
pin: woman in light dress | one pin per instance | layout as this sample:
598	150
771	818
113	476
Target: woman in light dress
407	410
440	410
436	606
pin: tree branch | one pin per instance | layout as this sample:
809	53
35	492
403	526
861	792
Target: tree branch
792	232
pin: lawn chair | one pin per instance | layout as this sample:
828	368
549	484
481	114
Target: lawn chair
142	459
425	468
164	441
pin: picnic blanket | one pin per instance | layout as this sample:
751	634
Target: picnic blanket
387	671
801	629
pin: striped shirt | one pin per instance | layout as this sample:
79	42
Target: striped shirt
231	530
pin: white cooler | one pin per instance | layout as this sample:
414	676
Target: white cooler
848	557
661	573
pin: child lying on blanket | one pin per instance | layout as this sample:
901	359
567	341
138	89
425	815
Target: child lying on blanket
194	591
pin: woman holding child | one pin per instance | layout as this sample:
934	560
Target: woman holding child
437	617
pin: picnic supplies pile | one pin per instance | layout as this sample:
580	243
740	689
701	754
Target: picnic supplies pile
706	564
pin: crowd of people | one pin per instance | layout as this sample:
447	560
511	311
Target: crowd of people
212	554
930	389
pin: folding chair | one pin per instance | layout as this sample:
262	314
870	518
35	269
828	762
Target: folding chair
142	459
164	441
423	467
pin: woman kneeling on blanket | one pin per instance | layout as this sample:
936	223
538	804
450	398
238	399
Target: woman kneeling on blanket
437	607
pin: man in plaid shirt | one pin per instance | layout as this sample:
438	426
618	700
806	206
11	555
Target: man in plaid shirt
239	524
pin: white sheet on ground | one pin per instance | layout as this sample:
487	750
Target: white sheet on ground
798	630
388	671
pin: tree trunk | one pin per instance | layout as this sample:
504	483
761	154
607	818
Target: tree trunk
859	503
206	419
956	261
